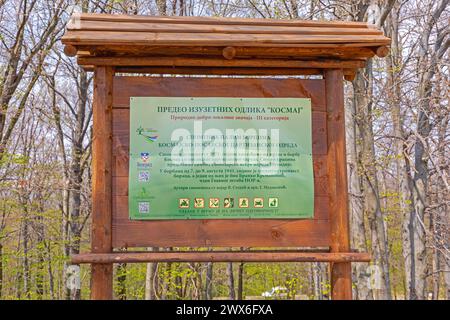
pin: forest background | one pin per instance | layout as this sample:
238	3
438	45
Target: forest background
397	117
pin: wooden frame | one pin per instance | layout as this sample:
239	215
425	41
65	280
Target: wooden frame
218	233
112	44
101	277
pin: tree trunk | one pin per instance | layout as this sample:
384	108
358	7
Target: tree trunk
311	288
121	281
361	291
162	7
40	237
209	281
168	276
25	243
367	165
151	279
446	260
415	225
416	261
51	281
403	165
230	277
240	288
435	261
1	270
75	179
318	281
178	281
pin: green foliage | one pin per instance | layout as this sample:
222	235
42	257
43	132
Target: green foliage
11	158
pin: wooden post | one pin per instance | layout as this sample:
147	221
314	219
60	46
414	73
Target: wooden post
102	274
341	277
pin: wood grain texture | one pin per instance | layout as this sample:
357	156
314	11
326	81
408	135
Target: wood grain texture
82	37
218	233
306	51
101	242
220	256
126	26
220	21
138	29
341	281
240	232
213	62
126	87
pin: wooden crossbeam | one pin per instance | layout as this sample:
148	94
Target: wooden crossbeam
220	256
214	62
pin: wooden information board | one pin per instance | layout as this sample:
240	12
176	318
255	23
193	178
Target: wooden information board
116	47
220	233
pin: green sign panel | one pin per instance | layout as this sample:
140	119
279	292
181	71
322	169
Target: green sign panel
220	158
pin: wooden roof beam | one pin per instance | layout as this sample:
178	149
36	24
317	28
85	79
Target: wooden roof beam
218	21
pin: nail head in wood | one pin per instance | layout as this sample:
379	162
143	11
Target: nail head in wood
229	53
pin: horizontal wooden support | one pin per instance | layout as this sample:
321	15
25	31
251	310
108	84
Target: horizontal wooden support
213	62
349	73
306	52
220	256
222	71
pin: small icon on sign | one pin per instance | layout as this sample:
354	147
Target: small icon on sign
149	134
214	202
183	203
144	176
228	202
243	202
145	156
199	203
273	202
144	207
258	202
